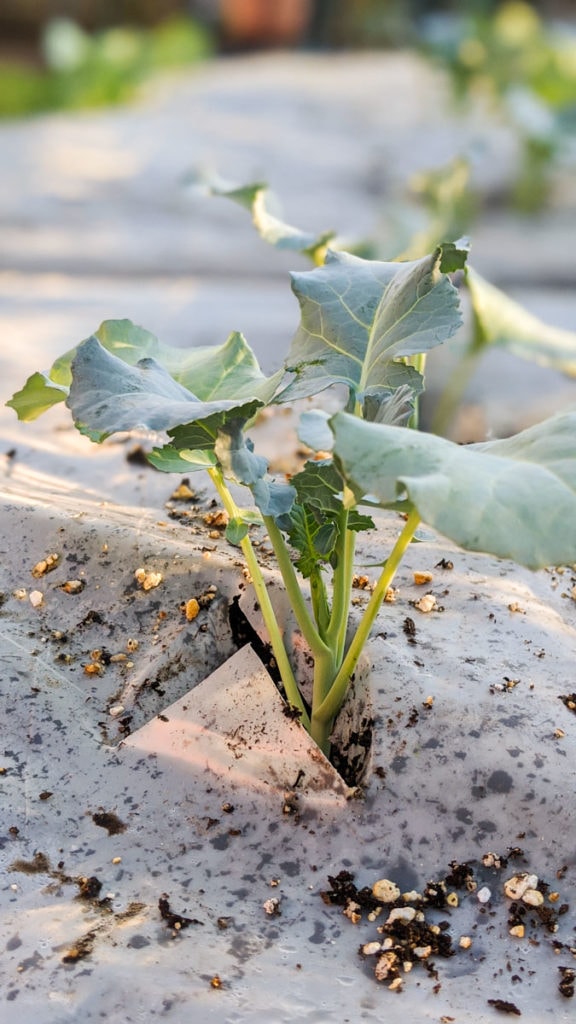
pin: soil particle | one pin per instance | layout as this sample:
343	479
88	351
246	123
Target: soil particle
504	1006
567	980
412	933
569	701
500	782
89	888
81	949
174	921
272	906
39	865
409	627
111	822
46	565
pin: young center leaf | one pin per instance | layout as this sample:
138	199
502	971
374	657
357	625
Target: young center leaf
359	318
514	498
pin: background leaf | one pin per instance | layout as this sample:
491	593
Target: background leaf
263	205
498	320
515	498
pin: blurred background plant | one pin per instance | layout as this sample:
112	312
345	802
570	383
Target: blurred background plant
509	56
515	56
73	68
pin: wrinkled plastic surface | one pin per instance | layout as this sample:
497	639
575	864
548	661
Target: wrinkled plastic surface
474	752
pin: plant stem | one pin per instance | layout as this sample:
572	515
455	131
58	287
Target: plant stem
299	607
325	670
293	694
419	363
341	588
331	704
320	605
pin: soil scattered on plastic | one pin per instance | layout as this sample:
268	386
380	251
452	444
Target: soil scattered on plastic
414	928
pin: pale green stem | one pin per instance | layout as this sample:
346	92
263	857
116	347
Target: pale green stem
419	363
293	694
299	606
325	669
332	703
320	605
341	587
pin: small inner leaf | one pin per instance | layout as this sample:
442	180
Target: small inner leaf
236	455
181	460
236	531
319	486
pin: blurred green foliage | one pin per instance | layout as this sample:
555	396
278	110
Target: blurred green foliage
83	70
527	69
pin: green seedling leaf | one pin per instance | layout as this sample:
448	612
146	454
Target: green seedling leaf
215	372
498	320
314	430
273	498
181	460
235	453
38	395
236	531
313	539
514	498
212	373
263	205
43	390
359	522
107	395
319	486
454	255
358	316
202	434
315	520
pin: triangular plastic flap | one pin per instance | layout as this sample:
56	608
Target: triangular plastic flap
235	725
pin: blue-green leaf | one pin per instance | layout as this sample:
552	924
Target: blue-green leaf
273	497
515	498
358	316
235	453
314	430
107	395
